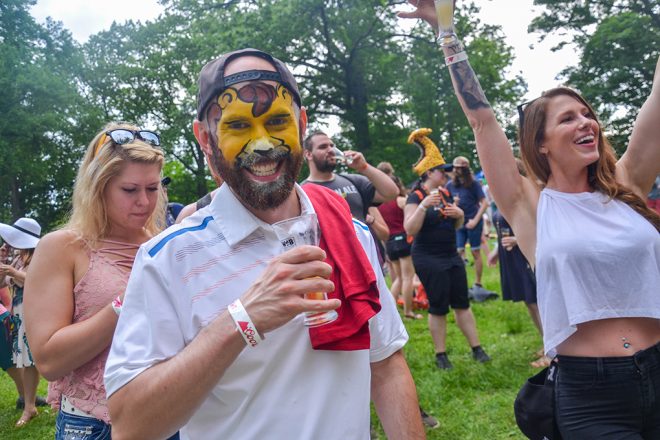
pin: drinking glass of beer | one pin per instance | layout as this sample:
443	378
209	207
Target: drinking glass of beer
340	157
444	9
299	231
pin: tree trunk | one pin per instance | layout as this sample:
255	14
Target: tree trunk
356	108
200	173
17	208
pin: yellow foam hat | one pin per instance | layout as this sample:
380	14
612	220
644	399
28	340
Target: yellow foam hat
430	155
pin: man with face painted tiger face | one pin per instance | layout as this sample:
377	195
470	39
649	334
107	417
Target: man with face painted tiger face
211	330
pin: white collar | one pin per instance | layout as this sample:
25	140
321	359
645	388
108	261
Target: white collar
236	222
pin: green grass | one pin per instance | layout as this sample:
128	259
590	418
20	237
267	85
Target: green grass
472	401
41	427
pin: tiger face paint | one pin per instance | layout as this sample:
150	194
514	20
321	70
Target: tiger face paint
256	139
255	119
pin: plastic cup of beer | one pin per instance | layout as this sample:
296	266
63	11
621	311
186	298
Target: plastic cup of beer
300	231
444	9
433	192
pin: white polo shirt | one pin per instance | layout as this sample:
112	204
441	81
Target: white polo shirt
282	389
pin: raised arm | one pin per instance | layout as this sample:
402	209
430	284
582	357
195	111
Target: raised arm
58	345
640	164
510	191
385	187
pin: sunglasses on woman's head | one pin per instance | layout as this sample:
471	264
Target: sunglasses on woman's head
121	136
521	111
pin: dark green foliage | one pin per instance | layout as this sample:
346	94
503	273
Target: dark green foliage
43	115
619	43
354	61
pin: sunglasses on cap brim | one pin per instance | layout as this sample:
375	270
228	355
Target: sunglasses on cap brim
121	136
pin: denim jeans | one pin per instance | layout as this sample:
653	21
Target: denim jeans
72	427
609	398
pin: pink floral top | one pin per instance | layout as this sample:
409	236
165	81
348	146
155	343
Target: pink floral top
107	276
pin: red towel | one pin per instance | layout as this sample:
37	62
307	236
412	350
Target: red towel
354	278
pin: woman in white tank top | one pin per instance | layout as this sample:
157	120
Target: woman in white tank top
580	217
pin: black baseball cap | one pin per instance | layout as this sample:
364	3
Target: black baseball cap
444	167
212	79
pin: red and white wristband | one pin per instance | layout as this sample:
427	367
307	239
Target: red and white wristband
116	305
245	325
456	58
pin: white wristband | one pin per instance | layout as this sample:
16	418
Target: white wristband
458	57
245	325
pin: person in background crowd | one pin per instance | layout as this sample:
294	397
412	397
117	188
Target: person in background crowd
6	339
191	208
370	187
211	330
23	235
173	208
516	276
398	250
470	198
582	222
78	274
653	200
432	217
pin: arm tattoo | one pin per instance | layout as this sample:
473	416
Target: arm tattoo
467	82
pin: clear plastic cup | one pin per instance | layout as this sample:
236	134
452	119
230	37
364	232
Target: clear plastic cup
299	231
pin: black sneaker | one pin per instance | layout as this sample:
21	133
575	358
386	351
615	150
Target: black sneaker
442	361
429	421
479	355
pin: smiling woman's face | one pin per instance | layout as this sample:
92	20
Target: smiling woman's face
571	133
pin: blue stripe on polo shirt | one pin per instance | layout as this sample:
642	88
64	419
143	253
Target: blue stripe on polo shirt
360	224
154	250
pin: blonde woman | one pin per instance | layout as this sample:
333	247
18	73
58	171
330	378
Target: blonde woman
79	273
581	220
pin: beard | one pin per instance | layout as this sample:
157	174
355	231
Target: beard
259	195
463	177
323	165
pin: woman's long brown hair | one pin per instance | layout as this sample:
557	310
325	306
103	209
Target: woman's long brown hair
601	174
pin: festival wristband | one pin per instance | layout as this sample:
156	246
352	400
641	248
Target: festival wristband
423	208
245	325
456	58
366	165
116	305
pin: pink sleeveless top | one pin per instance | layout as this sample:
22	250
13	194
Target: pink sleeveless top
107	276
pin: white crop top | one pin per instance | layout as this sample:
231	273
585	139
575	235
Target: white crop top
594	260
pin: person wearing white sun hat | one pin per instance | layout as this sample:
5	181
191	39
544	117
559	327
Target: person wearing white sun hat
22	235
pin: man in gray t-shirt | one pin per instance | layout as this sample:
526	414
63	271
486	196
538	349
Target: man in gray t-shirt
370	186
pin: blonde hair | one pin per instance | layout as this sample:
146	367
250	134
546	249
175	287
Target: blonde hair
601	174
101	163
